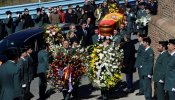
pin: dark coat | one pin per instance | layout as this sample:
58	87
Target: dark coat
70	18
28	22
153	8
84	38
129	57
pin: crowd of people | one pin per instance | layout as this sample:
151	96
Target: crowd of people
17	67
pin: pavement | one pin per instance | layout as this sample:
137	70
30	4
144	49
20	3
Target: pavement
87	92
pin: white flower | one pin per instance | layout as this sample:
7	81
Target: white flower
114	66
53	33
47	31
81	50
101	55
105	52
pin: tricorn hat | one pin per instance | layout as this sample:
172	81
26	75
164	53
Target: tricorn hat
172	41
8	12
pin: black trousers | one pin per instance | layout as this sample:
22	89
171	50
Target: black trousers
42	85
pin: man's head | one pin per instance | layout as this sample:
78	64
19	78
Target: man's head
140	37
8	13
162	46
55	10
115	32
38	10
42	10
72	27
75	44
60	7
26	11
171	45
66	44
83	25
12	53
146	41
86	2
88	20
50	9
122	25
96	31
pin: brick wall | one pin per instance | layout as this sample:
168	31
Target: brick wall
162	26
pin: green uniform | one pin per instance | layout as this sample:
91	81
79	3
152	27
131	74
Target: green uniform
43	61
117	39
130	18
170	77
95	38
146	68
9	81
9	25
159	74
30	66
141	13
140	53
23	65
43	66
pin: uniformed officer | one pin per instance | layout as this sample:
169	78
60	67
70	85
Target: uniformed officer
160	69
130	16
19	22
117	37
43	66
9	22
170	76
23	65
95	36
9	77
146	68
140	53
141	13
38	18
30	64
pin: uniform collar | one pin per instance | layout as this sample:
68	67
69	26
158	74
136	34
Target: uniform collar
162	52
147	48
12	61
23	58
172	53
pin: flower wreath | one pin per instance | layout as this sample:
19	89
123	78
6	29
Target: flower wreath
105	64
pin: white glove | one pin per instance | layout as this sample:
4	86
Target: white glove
24	85
149	76
160	81
173	89
140	66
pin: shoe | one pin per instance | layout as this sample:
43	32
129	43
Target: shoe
129	90
138	94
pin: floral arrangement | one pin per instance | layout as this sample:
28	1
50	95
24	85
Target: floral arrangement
67	67
143	21
53	34
105	64
113	8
